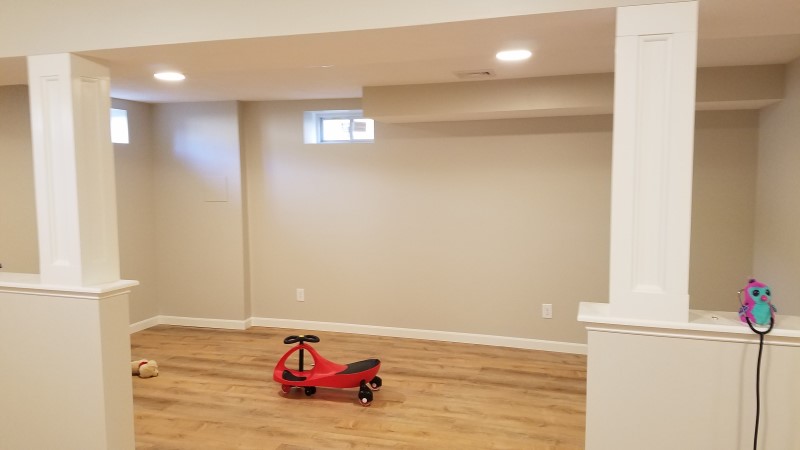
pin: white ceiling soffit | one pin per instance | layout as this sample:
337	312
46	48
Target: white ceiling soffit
338	65
29	28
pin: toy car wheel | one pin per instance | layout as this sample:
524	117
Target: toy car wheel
365	394
376	383
310	390
365	400
286	388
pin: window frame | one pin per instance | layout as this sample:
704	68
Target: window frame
313	124
114	135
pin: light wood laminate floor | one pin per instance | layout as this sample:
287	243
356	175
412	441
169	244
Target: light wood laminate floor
215	391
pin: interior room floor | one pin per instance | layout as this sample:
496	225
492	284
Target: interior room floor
215	391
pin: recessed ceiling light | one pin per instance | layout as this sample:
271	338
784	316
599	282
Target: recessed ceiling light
170	76
513	55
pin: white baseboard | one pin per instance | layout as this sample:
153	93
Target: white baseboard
145	324
431	335
191	322
225	324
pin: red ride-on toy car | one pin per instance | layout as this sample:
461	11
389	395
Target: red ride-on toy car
327	373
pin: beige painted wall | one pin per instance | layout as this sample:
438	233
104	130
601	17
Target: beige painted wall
726	146
777	214
443	226
459	226
199	227
19	251
136	209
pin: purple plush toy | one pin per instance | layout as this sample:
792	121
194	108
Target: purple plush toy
757	305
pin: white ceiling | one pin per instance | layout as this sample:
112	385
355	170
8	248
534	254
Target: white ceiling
732	32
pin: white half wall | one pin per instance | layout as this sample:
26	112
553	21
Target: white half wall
66	381
677	389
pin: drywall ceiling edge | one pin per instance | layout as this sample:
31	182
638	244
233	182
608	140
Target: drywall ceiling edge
26	28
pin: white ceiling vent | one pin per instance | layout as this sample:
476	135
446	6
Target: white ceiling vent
480	74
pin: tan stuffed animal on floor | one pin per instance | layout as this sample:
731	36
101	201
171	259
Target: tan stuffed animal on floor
144	368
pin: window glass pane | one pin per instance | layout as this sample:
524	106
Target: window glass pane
335	130
363	129
119	126
337	126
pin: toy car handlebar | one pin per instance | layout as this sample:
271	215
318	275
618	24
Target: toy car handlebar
302	338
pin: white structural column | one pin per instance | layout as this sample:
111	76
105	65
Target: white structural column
654	96
74	170
66	382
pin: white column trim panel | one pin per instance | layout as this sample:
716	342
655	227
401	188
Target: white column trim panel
652	162
74	170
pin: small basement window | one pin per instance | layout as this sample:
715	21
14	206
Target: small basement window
337	126
119	126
